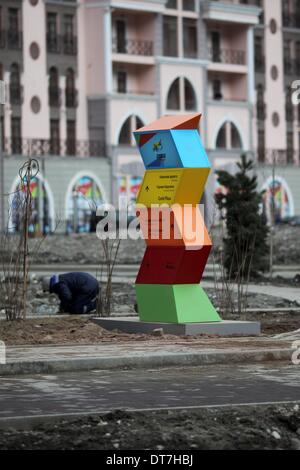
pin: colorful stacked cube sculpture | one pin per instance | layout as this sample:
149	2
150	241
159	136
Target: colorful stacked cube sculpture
177	167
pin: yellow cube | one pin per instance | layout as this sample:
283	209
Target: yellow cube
173	186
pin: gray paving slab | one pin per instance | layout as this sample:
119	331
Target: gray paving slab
223	328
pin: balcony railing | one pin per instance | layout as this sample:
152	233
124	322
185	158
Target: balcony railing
133	46
2	39
39	147
291	21
61	44
292	67
134	92
11	39
71	98
54	97
261	111
16	94
278	156
53	43
14	39
259	64
70	45
227	56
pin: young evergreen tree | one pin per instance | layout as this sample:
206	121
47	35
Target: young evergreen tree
245	245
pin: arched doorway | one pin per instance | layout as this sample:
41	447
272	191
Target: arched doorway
83	198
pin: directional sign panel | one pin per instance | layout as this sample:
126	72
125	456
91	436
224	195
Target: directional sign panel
173	186
172	149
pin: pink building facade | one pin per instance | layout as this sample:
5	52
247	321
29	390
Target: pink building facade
82	75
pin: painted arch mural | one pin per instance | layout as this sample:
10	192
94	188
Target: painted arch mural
42	217
83	199
277	190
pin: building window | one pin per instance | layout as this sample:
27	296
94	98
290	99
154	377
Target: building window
290	147
52	36
181	96
260	104
15	85
70	42
16	135
173	100
217	89
190	48
188	5
70	89
131	124
189	96
172	4
259	54
54	137
13	33
287	57
261	145
71	137
228	137
289	108
121	81
221	139
121	43
54	87
170	36
2	133
297	58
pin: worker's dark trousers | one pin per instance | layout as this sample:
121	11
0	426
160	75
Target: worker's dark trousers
85	303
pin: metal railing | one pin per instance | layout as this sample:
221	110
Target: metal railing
259	64
261	110
283	157
57	44
291	21
227	56
39	147
16	94
292	66
54	97
71	98
133	46
14	39
11	39
134	92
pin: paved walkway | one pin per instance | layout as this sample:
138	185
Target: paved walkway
95	391
289	293
143	354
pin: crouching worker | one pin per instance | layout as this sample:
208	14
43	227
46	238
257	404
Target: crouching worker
77	292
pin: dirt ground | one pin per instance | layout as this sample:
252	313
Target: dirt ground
237	428
86	248
124	298
81	330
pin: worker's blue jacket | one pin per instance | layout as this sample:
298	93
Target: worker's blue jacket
77	292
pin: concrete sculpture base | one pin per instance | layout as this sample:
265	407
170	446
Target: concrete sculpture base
222	328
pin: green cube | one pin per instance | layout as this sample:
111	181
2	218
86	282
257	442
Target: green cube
177	303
